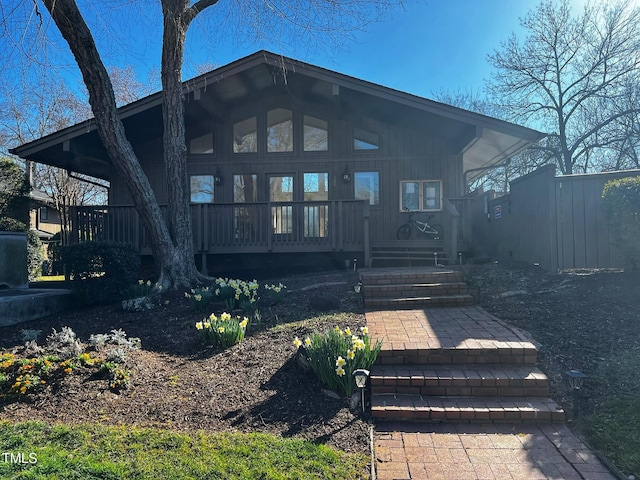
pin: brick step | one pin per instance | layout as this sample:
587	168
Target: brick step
461	380
413	302
465	409
414	290
426	276
467	352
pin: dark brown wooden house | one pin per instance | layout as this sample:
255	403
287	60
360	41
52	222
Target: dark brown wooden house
289	157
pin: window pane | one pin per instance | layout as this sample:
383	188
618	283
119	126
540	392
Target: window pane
245	136
316	186
202	144
431	197
201	188
367	187
281	189
410	195
316	134
245	188
280	130
364	140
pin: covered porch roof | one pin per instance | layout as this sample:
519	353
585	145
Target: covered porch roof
483	141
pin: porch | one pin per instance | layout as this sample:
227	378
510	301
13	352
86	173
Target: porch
227	228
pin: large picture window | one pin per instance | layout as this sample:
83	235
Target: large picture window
364	140
423	195
367	187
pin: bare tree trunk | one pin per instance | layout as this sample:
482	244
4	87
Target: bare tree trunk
73	28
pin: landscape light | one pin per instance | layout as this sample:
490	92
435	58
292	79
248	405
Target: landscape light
361	375
576	379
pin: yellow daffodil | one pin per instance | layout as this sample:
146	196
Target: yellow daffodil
207	325
140	282
307	342
197	297
359	345
297	342
340	362
244	322
148	283
199	325
351	354
213	317
225	317
340	371
364	330
220	329
347	331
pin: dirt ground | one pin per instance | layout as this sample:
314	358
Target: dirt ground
578	319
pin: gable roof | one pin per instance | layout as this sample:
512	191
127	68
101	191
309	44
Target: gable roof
482	140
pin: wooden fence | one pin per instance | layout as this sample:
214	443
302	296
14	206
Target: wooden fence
556	222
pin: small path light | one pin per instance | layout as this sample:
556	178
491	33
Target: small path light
576	381
479	283
357	288
361	375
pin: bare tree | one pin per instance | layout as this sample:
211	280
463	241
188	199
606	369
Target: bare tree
568	76
171	241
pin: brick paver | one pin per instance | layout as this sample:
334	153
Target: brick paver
496	452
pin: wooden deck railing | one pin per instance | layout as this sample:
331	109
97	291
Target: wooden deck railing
240	227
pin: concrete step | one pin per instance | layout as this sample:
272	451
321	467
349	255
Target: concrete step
419	408
460	380
470	351
414	302
414	290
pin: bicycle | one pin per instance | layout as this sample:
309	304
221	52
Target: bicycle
434	232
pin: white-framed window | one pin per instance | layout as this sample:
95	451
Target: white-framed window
366	186
201	188
421	195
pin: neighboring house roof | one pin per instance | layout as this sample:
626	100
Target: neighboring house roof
40	197
482	140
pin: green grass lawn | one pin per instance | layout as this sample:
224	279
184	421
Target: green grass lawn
38	451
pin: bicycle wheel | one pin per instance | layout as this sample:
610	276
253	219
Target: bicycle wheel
437	234
404	232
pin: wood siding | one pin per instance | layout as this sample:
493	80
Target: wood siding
406	152
557	222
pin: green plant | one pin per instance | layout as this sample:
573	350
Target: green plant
142	289
224	330
277	292
621	200
35	255
119	377
236	293
101	271
333	356
200	298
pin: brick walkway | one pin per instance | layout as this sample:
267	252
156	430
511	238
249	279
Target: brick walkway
459	451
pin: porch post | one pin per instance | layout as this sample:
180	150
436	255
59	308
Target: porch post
365	222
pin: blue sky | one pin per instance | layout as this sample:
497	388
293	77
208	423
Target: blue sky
427	47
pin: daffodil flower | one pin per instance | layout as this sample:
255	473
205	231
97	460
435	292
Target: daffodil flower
220	329
213	317
207	325
297	342
340	371
364	330
225	317
244	322
347	331
340	362
351	354
140	282
307	342
199	325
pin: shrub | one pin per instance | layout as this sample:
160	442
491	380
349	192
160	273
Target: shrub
35	256
335	355
102	271
224	330
622	203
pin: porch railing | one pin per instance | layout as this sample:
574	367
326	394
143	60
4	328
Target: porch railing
239	227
